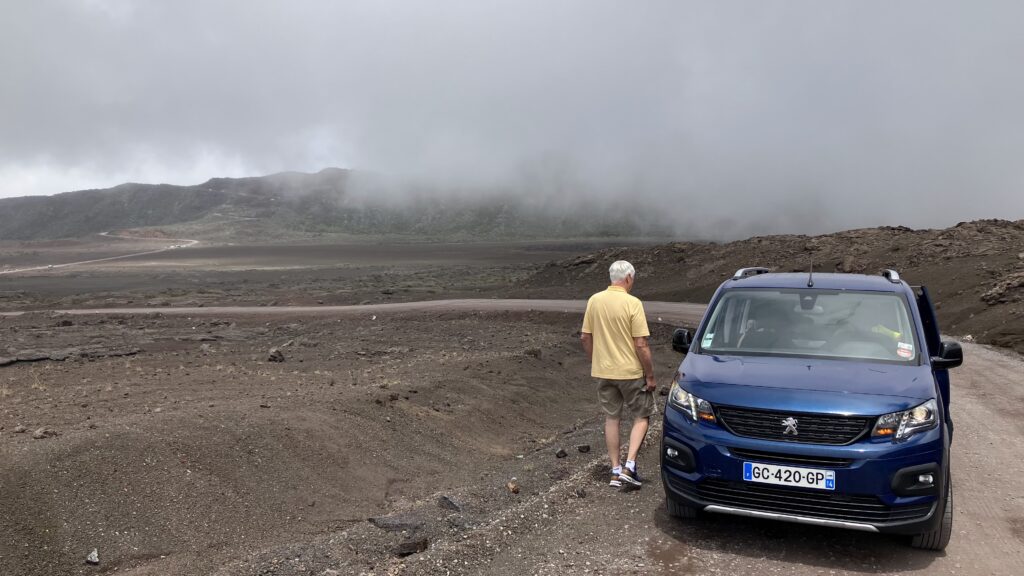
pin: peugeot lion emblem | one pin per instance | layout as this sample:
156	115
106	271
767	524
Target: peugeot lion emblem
790	424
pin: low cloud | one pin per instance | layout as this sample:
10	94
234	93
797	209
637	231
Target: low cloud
727	118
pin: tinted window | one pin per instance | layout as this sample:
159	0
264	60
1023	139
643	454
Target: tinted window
827	323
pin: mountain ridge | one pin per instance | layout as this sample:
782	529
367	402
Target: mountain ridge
311	203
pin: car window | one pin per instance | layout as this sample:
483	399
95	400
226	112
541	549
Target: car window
807	322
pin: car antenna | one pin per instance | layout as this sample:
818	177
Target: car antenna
810	276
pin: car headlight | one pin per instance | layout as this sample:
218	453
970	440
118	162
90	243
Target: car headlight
694	407
902	425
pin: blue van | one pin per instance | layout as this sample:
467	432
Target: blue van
821	399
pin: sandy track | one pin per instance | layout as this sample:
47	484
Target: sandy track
665	312
182	243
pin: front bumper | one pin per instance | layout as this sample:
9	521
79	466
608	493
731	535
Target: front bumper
706	474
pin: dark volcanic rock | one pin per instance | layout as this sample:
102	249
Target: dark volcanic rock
412	547
449	503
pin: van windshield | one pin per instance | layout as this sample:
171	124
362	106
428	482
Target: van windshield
871	326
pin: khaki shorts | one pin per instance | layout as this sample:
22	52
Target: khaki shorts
614	394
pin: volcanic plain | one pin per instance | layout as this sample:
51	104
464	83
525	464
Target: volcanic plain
229	418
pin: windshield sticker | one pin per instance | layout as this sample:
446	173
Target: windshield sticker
706	340
905	350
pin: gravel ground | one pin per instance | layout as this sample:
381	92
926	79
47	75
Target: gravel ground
199	456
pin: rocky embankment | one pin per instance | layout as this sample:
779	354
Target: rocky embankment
974	270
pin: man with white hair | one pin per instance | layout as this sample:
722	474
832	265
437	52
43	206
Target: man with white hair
614	336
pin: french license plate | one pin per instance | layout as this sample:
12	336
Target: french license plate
789	476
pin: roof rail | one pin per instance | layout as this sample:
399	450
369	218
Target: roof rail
892	275
746	272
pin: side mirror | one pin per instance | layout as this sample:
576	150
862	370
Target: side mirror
950	355
681	340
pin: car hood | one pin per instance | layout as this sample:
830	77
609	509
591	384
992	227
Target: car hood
807	385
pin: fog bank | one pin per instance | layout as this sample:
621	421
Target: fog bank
729	118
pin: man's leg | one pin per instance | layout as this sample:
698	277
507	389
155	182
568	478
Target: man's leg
611	438
636	436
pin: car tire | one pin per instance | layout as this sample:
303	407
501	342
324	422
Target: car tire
938	539
677	510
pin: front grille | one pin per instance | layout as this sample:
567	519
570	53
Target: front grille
798	460
810	428
799	502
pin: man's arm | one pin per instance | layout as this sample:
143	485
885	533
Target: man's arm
643	352
588	344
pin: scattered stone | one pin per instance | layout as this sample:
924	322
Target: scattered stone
581	493
412	547
1009	288
89	352
65	323
397	523
93	557
583	448
275	355
19	429
561	453
43	432
513	486
534	352
448	503
968	338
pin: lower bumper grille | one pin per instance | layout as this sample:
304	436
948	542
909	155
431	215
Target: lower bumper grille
797	502
778	458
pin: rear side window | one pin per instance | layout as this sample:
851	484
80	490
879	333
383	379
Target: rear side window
872	326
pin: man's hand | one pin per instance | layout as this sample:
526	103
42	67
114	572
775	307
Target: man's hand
651	384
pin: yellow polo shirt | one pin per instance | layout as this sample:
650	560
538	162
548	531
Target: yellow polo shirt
614	318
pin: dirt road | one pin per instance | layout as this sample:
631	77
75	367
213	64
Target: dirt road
197	456
665	312
177	243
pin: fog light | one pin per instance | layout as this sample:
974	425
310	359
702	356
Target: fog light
672	453
926	479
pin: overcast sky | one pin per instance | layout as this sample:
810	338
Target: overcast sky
764	116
